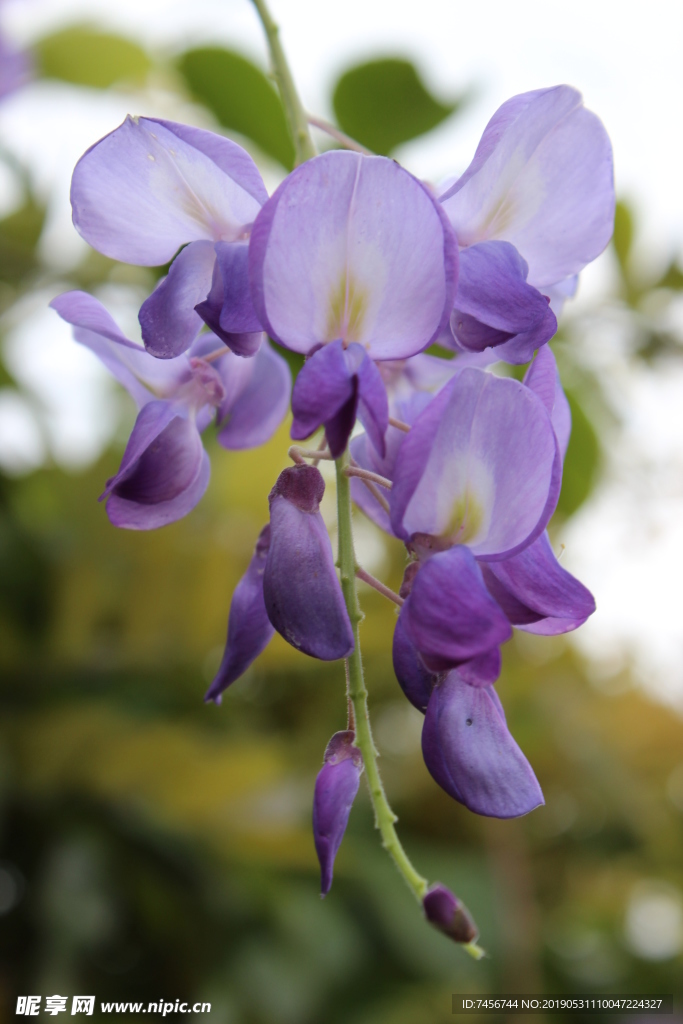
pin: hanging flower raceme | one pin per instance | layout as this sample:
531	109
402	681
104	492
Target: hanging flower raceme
165	470
351	260
335	790
152	187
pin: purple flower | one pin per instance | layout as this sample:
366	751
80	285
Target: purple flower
302	594
165	470
16	67
446	912
351	260
335	790
541	179
470	752
149	188
249	628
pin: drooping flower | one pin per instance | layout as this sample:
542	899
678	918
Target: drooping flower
335	790
249	628
302	594
165	470
151	187
352	253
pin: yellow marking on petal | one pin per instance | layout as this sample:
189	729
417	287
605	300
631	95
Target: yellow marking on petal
466	519
347	308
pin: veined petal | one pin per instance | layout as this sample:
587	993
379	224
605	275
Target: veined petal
251	414
249	628
470	753
168	319
133	515
300	586
480	467
542	179
449	615
533	585
144	190
353	247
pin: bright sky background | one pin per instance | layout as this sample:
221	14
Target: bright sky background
627	544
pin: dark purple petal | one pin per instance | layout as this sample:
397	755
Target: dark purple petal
335	790
446	912
164	471
492	288
449	615
353	247
482	670
533	585
415	679
373	405
237	313
541	179
252	412
249	628
470	753
168	319
211	312
520	348
301	590
322	390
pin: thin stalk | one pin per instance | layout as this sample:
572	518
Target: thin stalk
294	111
341	137
380	587
384	816
367	474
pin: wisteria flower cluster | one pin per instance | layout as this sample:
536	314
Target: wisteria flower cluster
360	267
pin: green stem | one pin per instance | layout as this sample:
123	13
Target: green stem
384	816
294	111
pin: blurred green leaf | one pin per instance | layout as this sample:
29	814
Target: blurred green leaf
85	56
581	463
241	97
19	235
622	238
672	278
384	102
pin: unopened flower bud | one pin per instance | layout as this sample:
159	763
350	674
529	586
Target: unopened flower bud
446	912
335	791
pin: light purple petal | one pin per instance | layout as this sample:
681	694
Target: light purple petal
353	247
540	589
449	615
335	790
251	414
143	191
544	379
470	753
168	319
301	590
542	179
480	467
249	628
133	515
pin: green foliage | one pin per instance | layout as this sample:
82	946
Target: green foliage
19	235
622	238
581	463
384	103
85	56
241	97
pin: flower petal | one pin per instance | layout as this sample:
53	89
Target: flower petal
301	590
335	790
144	190
449	615
492	287
480	466
353	247
250	416
542	179
168	319
249	628
470	753
323	387
544	379
414	678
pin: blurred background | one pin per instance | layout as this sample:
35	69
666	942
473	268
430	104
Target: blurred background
155	847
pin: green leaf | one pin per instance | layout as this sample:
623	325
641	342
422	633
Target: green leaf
622	239
19	235
241	97
672	278
385	102
85	56
581	463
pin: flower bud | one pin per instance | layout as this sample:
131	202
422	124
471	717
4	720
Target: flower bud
303	597
335	790
446	912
